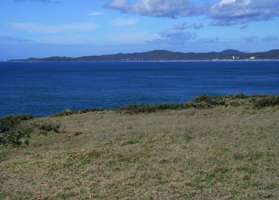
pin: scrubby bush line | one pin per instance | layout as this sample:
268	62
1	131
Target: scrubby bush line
69	112
201	102
206	102
145	108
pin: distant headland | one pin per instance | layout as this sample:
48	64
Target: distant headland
164	55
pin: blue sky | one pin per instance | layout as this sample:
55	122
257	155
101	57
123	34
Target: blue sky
38	28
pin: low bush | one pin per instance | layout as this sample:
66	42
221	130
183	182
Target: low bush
45	128
201	102
211	100
15	137
11	122
208	102
13	132
50	127
135	109
69	112
268	101
240	96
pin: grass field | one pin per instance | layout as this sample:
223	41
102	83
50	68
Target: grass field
223	152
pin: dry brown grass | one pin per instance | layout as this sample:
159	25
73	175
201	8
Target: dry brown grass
218	153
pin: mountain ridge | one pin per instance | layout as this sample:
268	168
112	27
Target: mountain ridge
157	55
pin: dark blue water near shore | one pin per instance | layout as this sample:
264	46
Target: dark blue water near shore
45	88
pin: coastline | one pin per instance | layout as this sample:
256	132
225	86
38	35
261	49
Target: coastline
200	102
146	61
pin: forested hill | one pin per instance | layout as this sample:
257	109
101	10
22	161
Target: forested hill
157	55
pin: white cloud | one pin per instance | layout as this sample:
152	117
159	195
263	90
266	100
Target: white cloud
223	12
157	8
242	11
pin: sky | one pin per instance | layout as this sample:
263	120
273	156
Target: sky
40	28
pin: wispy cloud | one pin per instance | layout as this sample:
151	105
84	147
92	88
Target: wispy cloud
174	37
124	22
185	25
43	1
157	8
179	34
5	39
96	13
266	39
52	29
131	38
270	39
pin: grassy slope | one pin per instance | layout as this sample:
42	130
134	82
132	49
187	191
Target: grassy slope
217	153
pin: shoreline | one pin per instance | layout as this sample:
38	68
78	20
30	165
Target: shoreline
199	102
144	61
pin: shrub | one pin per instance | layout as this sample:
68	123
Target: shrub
47	127
69	112
268	101
12	132
135	109
66	112
11	122
240	96
50	127
201	102
208	101
15	137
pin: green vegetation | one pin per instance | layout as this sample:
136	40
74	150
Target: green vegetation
17	131
71	112
136	109
212	148
201	102
45	128
12	132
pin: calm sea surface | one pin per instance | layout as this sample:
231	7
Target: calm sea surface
45	88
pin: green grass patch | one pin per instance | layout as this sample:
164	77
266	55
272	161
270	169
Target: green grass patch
205	179
80	159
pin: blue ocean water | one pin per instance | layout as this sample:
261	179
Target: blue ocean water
45	88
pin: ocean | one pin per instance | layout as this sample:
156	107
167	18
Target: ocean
45	88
